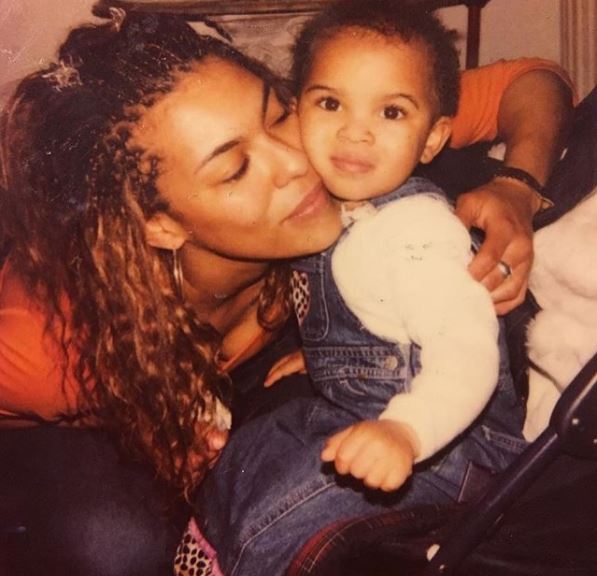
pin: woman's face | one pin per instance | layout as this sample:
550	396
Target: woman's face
232	168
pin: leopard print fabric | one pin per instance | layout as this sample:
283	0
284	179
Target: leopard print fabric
194	556
299	285
190	560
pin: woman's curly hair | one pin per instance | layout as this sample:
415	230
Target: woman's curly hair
73	205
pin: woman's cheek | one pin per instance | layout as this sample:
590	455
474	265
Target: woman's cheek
291	131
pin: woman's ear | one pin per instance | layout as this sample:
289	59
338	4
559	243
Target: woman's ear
438	136
162	231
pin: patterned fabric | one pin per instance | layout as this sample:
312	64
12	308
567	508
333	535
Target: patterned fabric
194	556
406	535
301	296
347	547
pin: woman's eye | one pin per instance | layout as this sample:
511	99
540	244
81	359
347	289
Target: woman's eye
239	173
392	112
328	103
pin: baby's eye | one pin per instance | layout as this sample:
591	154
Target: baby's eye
328	103
392	112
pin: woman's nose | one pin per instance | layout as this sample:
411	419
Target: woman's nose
290	159
292	163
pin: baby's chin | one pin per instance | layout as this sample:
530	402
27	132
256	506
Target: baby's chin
361	194
356	189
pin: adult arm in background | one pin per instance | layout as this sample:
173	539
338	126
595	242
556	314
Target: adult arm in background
526	104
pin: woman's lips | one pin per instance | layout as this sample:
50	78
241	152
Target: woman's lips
351	164
311	203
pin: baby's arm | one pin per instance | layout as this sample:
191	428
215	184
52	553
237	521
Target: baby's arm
404	273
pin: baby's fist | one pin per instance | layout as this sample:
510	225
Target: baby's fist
381	453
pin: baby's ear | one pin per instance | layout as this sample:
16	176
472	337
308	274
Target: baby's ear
438	136
162	231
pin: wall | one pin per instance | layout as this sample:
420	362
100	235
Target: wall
512	28
30	31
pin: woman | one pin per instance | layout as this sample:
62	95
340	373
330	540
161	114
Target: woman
149	164
107	339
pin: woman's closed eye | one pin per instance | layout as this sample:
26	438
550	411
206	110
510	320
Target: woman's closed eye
328	103
393	112
239	173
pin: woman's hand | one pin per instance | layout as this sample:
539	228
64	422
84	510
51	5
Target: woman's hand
381	453
210	443
503	209
215	439
532	121
293	363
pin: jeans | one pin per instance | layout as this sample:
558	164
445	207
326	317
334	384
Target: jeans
270	491
70	506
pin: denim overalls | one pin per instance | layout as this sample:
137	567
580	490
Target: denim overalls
355	369
270	491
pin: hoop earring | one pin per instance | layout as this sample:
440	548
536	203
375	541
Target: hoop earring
177	271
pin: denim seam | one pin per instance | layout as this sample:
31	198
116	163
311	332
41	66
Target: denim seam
341	373
503	439
323	327
277	519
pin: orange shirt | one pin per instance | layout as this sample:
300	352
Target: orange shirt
30	362
31	371
481	93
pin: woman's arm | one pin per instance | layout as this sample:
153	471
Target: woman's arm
526	104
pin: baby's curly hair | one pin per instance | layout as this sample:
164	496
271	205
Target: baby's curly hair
403	19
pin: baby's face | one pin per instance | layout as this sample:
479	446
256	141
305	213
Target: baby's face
367	113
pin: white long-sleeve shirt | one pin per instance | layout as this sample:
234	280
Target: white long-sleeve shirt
402	270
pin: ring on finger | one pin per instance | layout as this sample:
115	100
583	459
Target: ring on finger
505	270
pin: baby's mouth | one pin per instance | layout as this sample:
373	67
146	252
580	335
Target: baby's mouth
351	164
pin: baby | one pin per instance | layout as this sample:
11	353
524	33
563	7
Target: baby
394	328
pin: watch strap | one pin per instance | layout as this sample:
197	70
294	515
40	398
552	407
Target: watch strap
523	176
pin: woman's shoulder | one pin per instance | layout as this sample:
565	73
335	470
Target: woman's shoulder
19	312
31	375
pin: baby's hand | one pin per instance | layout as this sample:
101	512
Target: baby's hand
293	363
381	453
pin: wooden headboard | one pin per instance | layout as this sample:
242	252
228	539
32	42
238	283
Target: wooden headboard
195	9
